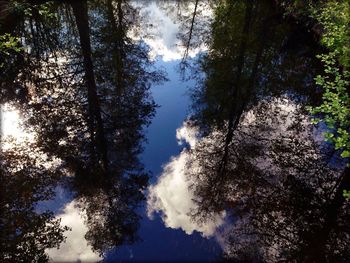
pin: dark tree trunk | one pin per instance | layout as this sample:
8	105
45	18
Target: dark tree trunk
236	102
191	31
118	36
80	11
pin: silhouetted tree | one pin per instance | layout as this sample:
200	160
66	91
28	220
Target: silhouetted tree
257	156
25	182
87	102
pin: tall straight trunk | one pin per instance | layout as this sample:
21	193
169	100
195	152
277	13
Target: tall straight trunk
120	41
191	31
118	46
236	106
80	12
240	96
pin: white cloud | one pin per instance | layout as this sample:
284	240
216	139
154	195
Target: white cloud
161	37
188	134
76	248
172	196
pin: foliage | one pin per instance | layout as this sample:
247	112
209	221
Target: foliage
334	17
346	194
8	42
297	8
335	107
25	231
8	45
23	8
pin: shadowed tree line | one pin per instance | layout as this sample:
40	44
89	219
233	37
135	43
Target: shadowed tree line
82	87
258	155
25	233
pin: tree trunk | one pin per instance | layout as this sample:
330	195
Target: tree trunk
80	11
191	31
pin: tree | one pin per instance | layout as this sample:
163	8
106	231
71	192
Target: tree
25	182
257	157
88	109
